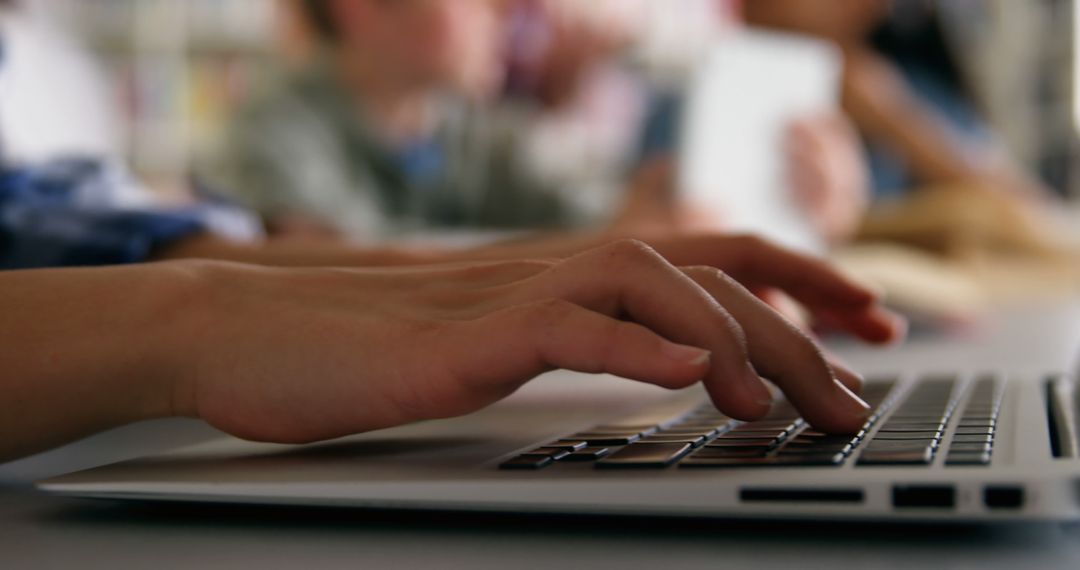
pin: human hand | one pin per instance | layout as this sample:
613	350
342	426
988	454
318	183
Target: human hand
290	355
652	204
828	174
831	298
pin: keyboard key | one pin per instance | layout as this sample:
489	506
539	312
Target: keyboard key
767	424
568	444
897	427
645	455
607	439
731	452
971	447
902	444
897	457
906	435
750	433
968	458
588	454
845	449
616	432
972	439
800	442
977	424
623	428
527	462
817	435
663	438
725	441
555	453
974	431
820	460
688	432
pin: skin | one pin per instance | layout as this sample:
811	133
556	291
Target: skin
828	174
303	354
396	56
833	299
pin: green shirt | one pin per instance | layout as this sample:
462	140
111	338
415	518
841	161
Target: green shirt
306	148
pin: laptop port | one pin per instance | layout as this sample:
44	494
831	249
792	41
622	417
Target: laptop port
1003	497
924	496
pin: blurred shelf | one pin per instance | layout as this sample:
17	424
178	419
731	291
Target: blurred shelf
178	68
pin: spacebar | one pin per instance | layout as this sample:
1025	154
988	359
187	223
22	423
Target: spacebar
643	455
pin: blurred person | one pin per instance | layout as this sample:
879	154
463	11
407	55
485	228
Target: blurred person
821	152
383	136
906	93
581	106
317	157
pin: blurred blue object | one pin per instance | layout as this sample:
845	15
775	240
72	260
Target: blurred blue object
88	212
64	214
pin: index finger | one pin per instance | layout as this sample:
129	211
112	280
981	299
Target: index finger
630	280
788	357
823	289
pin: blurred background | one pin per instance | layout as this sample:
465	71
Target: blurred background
177	69
938	139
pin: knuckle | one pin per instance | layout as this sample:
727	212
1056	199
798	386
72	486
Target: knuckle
538	265
548	312
705	273
752	242
506	269
804	349
631	250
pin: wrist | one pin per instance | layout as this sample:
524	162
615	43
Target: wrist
177	327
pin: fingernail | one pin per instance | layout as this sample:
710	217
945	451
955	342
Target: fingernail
853	404
758	391
691	355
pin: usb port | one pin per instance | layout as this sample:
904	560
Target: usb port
1003	497
924	496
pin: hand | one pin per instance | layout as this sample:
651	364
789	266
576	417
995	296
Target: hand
832	299
300	355
828	174
652	204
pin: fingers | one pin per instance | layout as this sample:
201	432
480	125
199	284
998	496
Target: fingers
873	324
501	351
789	358
819	286
755	262
851	380
628	279
568	317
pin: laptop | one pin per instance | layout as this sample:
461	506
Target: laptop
981	442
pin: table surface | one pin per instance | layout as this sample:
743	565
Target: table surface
45	531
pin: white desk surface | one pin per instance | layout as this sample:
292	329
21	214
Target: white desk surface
41	531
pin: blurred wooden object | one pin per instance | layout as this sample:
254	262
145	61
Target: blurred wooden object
948	252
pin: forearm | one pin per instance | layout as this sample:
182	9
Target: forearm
330	253
884	108
84	350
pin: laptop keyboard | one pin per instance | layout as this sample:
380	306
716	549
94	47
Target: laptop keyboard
907	427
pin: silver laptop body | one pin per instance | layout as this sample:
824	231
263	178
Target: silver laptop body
1006	448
